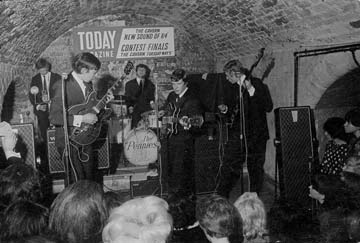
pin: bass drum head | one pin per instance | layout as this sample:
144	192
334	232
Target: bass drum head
141	147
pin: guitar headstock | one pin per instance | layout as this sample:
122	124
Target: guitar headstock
129	66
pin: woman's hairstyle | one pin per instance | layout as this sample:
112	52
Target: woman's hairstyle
22	219
141	220
334	126
353	117
43	63
85	60
79	213
217	216
253	214
19	181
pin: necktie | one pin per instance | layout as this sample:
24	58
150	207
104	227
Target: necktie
88	88
142	86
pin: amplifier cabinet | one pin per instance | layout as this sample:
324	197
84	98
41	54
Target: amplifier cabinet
25	144
100	148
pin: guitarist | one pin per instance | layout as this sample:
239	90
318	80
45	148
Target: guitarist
181	103
77	86
248	131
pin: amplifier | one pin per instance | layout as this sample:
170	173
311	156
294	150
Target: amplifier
100	148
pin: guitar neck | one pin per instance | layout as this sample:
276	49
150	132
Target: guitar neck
103	101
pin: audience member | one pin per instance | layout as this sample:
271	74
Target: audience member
78	214
8	143
19	181
141	220
352	126
22	219
182	208
253	215
219	219
113	200
336	147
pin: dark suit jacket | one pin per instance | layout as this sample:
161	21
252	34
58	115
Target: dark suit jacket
255	109
74	96
37	81
188	104
140	101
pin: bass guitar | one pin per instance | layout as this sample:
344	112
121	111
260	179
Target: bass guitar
87	133
171	122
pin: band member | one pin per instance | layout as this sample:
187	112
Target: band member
182	104
78	85
44	81
140	94
249	133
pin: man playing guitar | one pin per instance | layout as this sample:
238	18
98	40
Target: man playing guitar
181	104
77	87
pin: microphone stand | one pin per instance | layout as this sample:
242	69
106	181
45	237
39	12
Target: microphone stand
155	76
242	131
67	159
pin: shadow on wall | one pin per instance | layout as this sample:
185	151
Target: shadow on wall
8	104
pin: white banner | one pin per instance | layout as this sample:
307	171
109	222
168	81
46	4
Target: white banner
146	42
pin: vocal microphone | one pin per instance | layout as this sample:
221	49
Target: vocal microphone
34	90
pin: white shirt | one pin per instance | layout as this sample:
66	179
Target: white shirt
139	80
182	93
46	82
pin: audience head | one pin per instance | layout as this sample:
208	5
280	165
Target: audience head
86	65
182	208
43	65
218	218
253	214
141	220
113	200
334	127
352	121
353	225
78	213
23	219
19	181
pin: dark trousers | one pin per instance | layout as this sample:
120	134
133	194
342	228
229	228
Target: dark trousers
180	164
81	162
235	155
43	124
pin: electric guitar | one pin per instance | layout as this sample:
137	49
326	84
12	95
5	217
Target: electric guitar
87	133
171	122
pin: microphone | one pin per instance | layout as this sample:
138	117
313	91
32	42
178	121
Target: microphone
34	90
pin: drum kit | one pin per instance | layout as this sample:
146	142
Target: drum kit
141	143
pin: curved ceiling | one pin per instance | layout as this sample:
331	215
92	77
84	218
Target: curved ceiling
228	28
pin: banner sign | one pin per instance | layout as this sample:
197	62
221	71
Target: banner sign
111	43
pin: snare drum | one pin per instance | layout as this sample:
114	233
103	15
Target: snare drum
141	147
149	118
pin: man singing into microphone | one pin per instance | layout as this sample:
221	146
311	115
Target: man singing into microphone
41	92
248	131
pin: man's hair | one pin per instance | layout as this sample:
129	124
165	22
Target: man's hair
19	181
43	63
253	214
113	200
22	219
144	219
85	60
178	74
235	66
353	117
79	213
218	217
182	208
147	69
334	126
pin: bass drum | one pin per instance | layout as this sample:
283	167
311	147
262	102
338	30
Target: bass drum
141	147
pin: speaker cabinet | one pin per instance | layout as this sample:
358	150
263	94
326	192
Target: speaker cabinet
100	148
294	152
25	142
